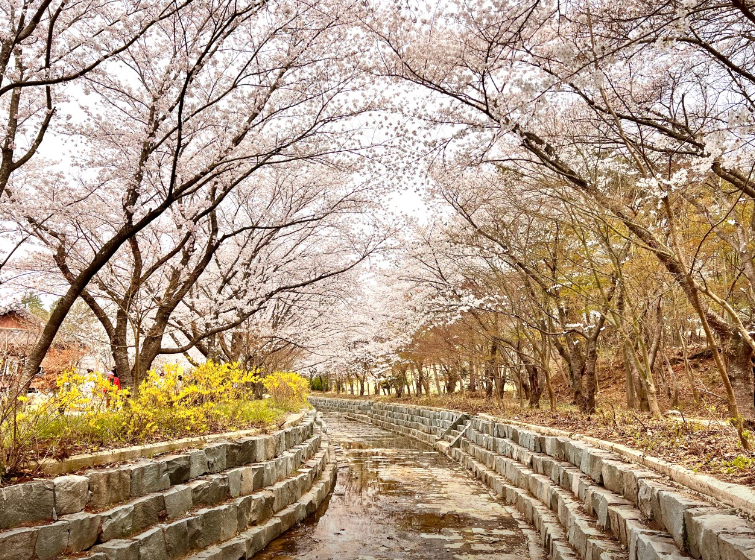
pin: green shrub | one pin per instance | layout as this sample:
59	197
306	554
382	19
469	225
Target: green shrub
318	384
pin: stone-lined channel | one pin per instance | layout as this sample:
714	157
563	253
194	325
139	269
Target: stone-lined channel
398	499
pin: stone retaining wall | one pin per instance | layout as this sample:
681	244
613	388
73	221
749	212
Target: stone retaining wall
122	454
224	501
585	502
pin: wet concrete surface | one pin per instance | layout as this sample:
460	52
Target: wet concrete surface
398	499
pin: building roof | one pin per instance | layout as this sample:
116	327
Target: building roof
19	310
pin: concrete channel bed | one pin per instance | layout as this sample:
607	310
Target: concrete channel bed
586	503
224	501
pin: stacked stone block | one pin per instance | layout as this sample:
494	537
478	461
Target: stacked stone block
585	502
167	508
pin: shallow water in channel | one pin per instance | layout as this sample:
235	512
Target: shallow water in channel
398	499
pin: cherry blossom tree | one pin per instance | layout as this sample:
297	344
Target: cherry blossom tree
369	329
288	230
185	115
511	80
47	44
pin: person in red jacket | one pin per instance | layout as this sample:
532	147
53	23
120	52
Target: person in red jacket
115	381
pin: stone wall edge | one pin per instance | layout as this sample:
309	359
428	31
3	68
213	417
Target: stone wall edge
733	495
77	462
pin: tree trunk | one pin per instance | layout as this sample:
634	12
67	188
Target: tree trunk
738	356
575	362
646	378
591	363
490	365
420	379
674	385
688	370
629	378
500	380
520	388
536	390
119	349
642	394
450	380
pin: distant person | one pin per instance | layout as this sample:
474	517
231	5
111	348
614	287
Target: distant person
115	383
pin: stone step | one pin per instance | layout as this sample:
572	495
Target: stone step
44	500
234	528
79	532
203	492
579	529
574	493
621	490
637	507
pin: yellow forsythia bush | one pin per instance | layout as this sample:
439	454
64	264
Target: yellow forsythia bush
86	412
287	387
213	396
83	392
210	382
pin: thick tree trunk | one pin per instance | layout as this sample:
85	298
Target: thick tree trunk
739	356
500	380
450	381
576	367
472	377
646	388
591	363
119	351
536	389
642	394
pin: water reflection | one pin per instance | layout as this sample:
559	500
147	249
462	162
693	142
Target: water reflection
397	499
